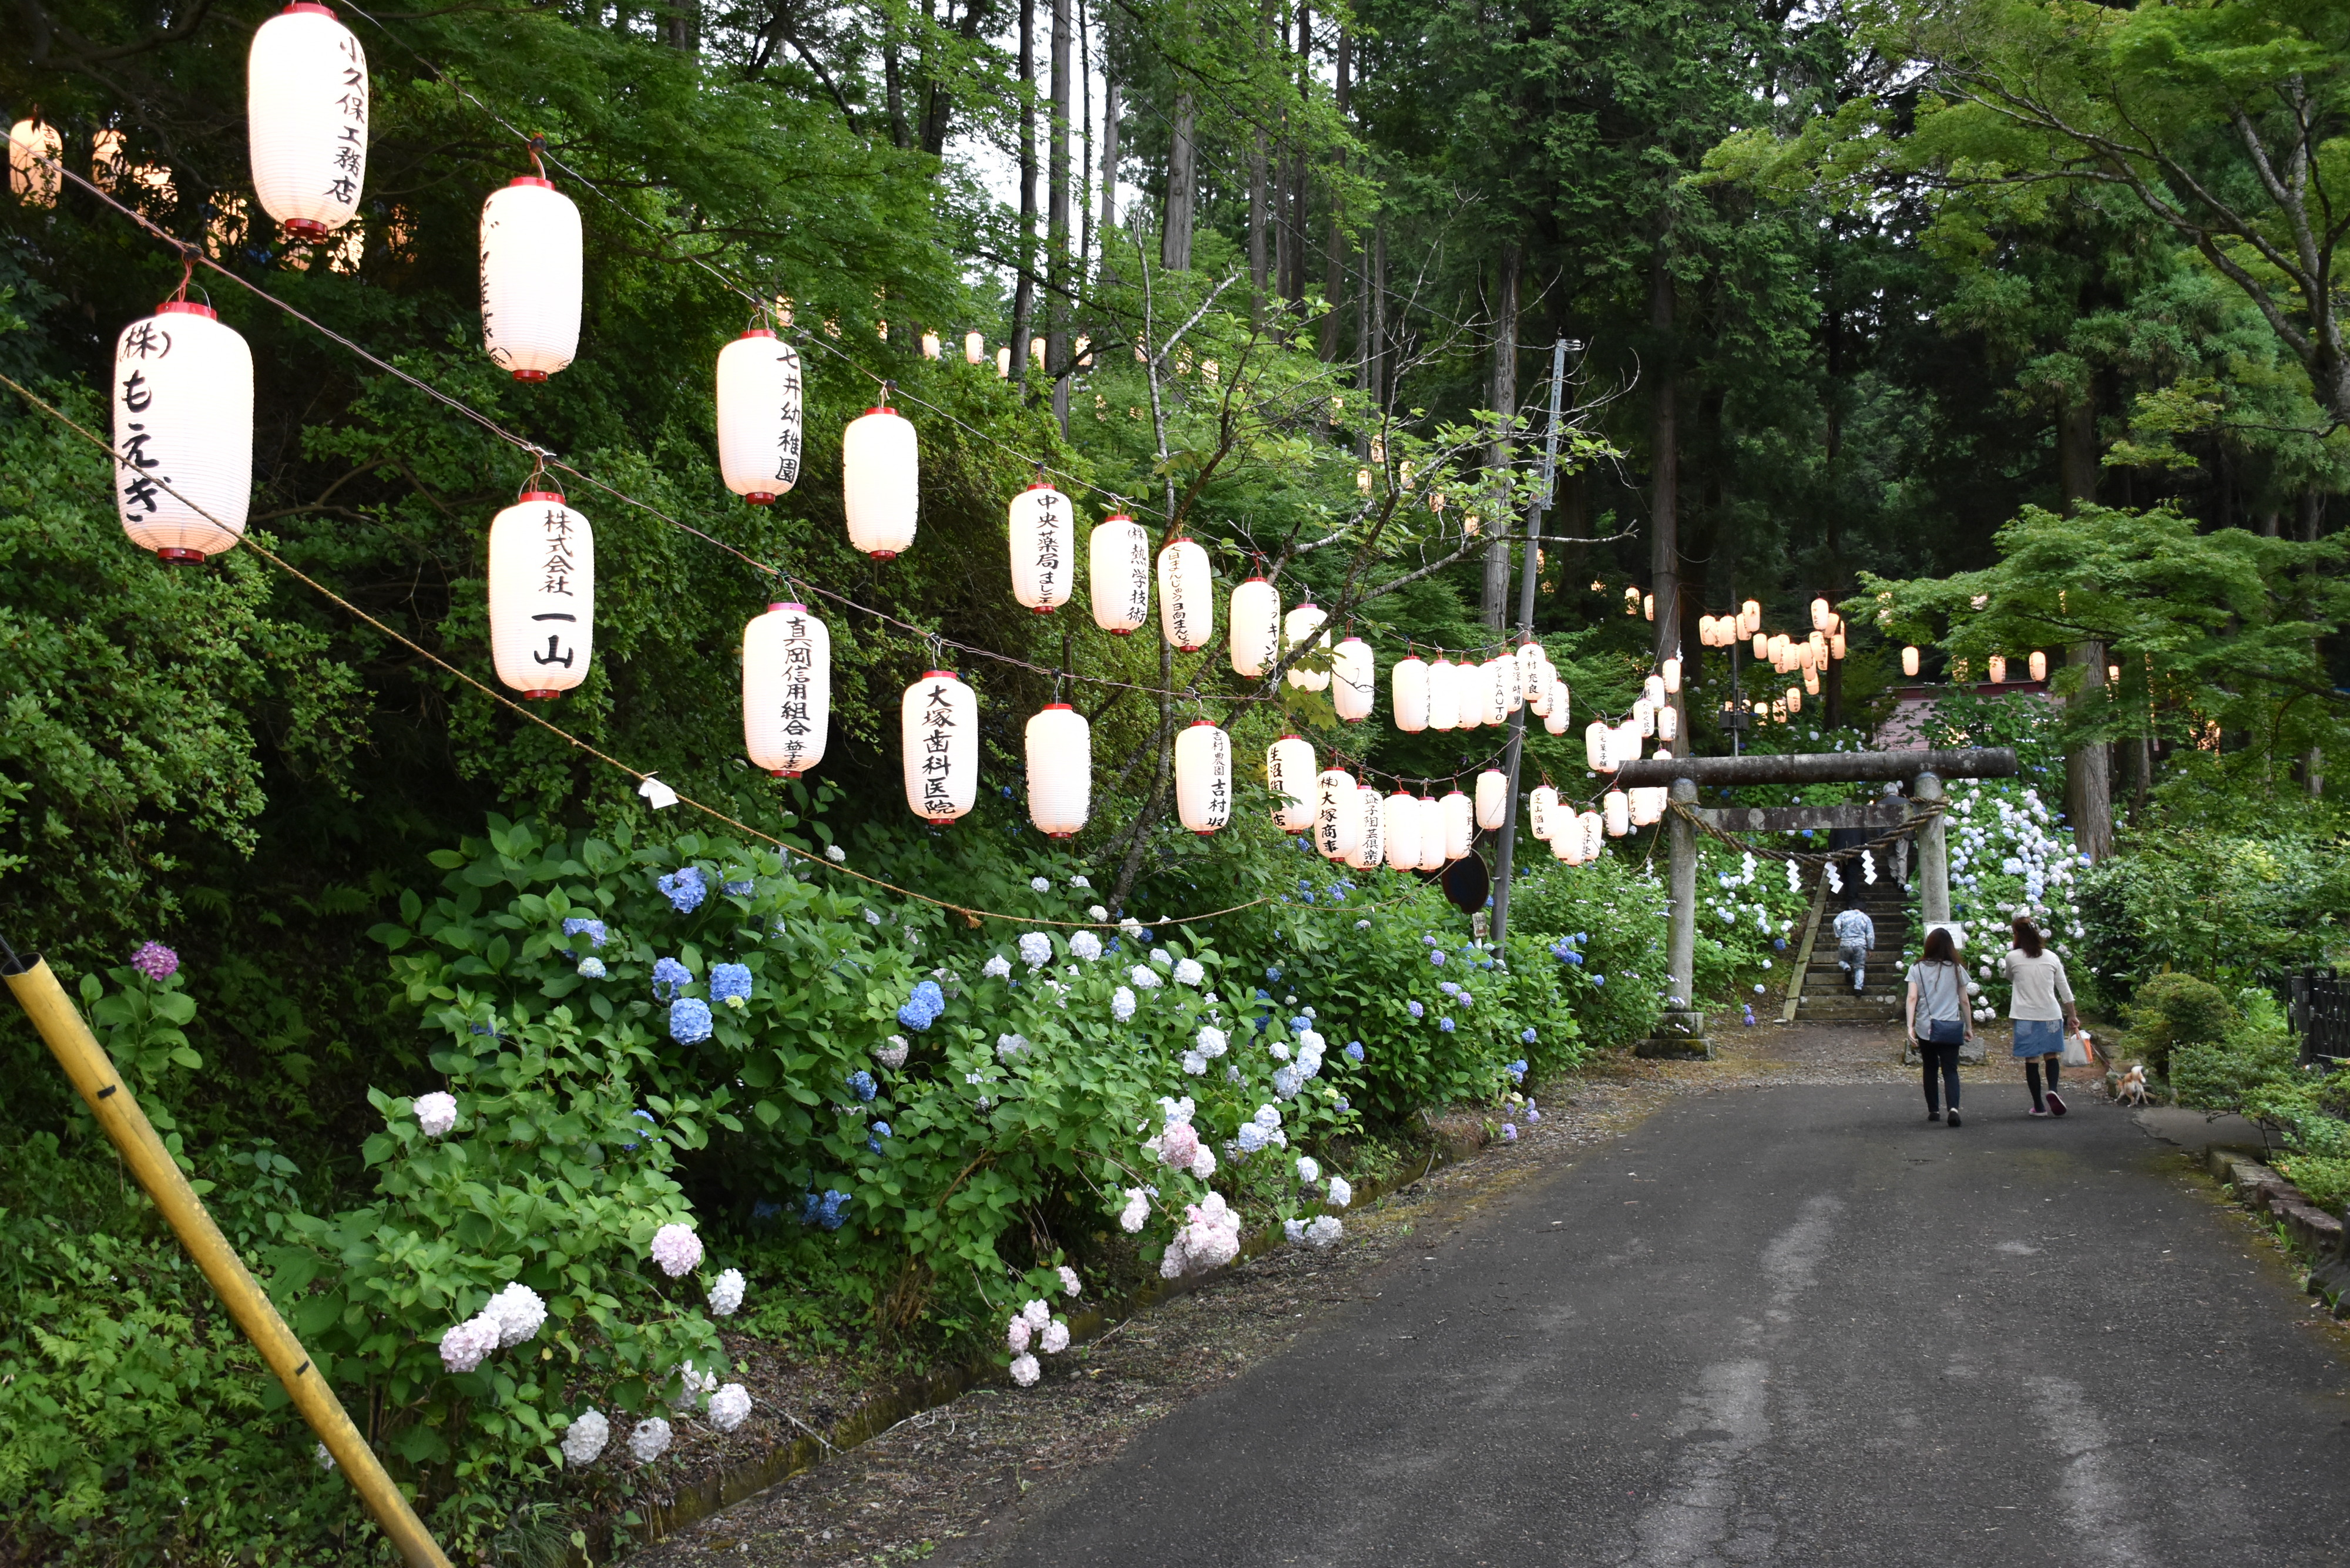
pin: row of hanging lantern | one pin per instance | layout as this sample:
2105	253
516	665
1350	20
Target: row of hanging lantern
2037	663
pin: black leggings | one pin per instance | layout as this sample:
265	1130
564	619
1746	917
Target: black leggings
1945	1057
2031	1075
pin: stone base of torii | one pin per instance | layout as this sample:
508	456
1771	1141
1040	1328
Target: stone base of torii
1681	1032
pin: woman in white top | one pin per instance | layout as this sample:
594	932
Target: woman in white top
2042	1009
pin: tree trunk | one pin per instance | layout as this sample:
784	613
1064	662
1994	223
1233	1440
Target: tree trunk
1023	284
1379	285
684	28
1664	459
1111	107
1086	161
1175	233
1493	604
1334	252
1057	216
2088	779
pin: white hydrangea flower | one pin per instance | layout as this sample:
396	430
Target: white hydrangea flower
436	1113
1160	957
1203	1163
1143	976
1279	1050
1309	1169
893	1054
1016	1333
1024	1371
1188	973
464	1345
836	855
997	967
518	1313
1174	1110
1342	1192
1055	1337
1212	1042
726	1294
1096	913
1325	1231
1136	1211
1287	1080
677	1249
1009	1047
1295	1229
691	1385
1311	1040
1035	949
1040	884
1085	945
1121	1004
1070	1285
1268	1117
584	1439
1249	1140
729	1407
1038	1313
1081	880
322	1458
650	1442
1192	1062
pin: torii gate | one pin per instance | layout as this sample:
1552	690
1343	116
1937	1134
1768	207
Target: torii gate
1682	1031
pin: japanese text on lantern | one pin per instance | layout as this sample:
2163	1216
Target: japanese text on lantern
350	143
799	664
788	439
938	761
1219	781
144	340
1052	530
555	581
1277	775
1138	575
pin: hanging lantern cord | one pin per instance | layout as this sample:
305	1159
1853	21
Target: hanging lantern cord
187	272
538	473
537	145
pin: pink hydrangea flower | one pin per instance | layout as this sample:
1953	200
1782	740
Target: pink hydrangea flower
677	1249
464	1345
155	960
1016	1336
1024	1371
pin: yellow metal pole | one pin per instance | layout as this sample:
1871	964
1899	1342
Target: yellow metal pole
92	1071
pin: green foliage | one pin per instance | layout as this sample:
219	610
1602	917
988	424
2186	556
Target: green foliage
2171	1010
2230	907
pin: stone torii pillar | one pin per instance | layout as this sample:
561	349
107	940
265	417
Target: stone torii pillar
1682	1031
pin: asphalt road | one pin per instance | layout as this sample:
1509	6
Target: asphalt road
1795	1325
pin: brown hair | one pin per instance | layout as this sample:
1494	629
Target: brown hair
2027	937
1938	946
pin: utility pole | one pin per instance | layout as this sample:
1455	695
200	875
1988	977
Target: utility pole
1504	857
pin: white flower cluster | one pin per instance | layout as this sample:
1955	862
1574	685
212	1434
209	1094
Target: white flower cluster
650	1442
584	1439
1040	884
997	967
1085	945
1121	1004
893	1054
1035	1323
436	1113
1011	1047
729	1407
1342	1192
1096	913
1188	973
1136	1212
1145	978
1320	1232
1070	1284
676	1249
1208	1238
726	1294
691	1386
509	1318
1309	1169
1035	949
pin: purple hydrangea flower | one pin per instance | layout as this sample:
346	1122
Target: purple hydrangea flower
1354	1049
155	960
574	925
1445	1024
1417	1009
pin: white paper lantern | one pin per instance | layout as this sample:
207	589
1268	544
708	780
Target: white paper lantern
1531	660
1795	698
1644	714
1820	613
939	726
183	397
34	171
1493	798
1044	531
542	594
880	481
1338	814
1669	724
1750	619
1598	751
1652	690
1513	683
1566	843
1443	695
787	689
1542	812
1618	808
1203	777
530	278
1354	680
1119	555
2038	665
1371	845
1289	775
759	399
1998	672
1671	677
1555	720
1401	821
1644	807
1500	676
1060	770
1257	626
1538	700
1431	834
306	116
974	348
1628	736
1909	662
1811	683
1459	826
1187	611
1298	629
1407	683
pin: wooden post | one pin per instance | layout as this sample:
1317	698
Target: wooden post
1681	1032
1933	852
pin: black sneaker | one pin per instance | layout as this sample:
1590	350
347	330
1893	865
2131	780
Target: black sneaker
1954	1117
1933	1116
2055	1105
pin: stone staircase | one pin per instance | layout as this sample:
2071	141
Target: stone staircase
1826	996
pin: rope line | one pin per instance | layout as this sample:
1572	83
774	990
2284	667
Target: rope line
1810	856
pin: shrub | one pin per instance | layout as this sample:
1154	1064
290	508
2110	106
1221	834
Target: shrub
2175	1010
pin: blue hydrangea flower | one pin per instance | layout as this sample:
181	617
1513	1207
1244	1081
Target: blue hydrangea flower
728	980
1342	1108
860	1084
1526	1038
668	975
1448	988
648	1116
1517	1069
1354	1049
830	1211
738	889
1574	959
576	924
923	1009
684	889
1599	980
873	1138
1435	955
1271	977
1143	937
1263	994
689	1020
1417	1009
591	969
1445	1024
1298	1025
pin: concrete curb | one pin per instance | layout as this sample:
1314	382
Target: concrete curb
2309	1228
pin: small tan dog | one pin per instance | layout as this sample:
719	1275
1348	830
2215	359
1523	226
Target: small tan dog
2132	1091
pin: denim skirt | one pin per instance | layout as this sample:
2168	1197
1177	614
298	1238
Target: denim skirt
2039	1036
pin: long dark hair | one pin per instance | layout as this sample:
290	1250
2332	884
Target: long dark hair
1938	946
2027	937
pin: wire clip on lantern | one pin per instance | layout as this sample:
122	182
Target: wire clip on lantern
1119	556
1255	631
1289	775
1444	694
1299	628
760	398
1354	680
530	278
1060	771
787	689
35	174
1043	528
305	115
542	594
939	724
880	481
1203	777
1399	821
1408	686
183	401
1338	814
1371	845
1187	613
